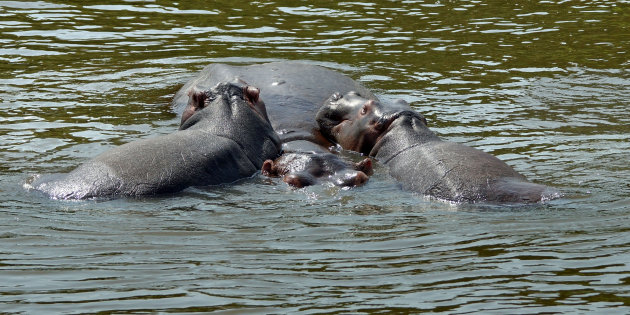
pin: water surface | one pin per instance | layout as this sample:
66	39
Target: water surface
542	85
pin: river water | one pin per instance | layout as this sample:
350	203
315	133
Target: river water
543	85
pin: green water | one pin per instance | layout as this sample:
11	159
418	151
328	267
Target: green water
543	85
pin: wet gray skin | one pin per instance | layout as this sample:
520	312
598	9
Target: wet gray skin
226	139
293	92
399	137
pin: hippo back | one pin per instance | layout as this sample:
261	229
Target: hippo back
292	91
455	172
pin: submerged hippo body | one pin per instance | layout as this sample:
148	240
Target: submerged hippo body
399	138
227	140
304	164
293	92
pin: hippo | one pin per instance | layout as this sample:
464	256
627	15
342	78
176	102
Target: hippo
309	165
226	139
293	92
399	138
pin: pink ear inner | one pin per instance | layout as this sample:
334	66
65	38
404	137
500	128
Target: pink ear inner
198	98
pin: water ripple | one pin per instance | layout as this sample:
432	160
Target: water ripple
541	85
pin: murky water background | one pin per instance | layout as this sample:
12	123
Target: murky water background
543	85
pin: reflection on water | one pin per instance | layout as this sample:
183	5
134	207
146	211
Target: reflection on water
542	85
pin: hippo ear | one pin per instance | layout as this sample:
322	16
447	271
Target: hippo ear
198	99
401	104
335	97
423	119
268	169
252	94
364	166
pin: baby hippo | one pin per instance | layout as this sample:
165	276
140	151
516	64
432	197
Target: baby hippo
225	138
304	168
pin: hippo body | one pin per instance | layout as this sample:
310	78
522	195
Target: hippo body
293	92
399	138
227	140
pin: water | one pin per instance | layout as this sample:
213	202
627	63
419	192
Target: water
542	85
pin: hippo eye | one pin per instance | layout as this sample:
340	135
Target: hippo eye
364	110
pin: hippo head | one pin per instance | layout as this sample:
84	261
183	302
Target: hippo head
300	169
222	95
357	123
234	111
